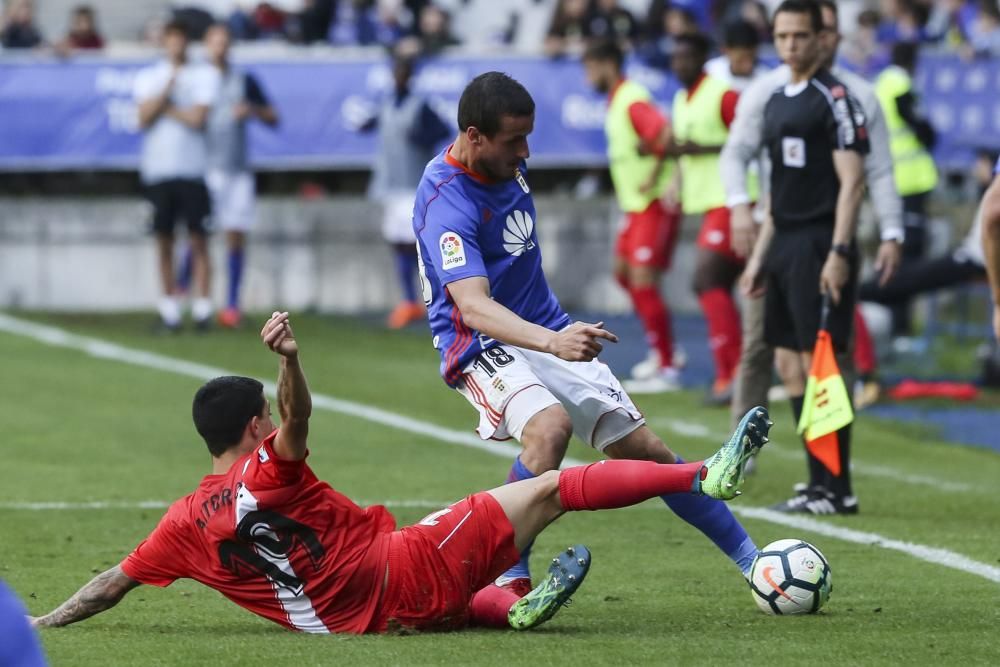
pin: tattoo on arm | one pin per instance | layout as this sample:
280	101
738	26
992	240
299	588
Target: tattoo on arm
103	592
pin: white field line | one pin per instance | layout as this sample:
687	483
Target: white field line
111	351
923	552
690	430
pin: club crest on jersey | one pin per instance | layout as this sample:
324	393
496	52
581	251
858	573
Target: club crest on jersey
520	181
517	236
452	251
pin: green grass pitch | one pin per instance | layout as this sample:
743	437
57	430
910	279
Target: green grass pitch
82	428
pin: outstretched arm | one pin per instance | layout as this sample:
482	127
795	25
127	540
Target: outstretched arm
102	593
578	342
294	400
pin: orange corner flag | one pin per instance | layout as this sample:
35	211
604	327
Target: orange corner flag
826	406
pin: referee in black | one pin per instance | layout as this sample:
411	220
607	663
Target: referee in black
815	136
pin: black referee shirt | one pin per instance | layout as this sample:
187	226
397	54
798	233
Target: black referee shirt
803	124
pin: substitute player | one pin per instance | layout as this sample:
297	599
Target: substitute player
174	97
703	111
505	342
229	178
267	534
409	133
638	140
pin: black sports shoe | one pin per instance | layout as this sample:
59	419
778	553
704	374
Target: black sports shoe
817	501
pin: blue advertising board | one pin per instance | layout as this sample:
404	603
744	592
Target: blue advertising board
80	114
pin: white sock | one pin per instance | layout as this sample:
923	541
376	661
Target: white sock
201	309
170	310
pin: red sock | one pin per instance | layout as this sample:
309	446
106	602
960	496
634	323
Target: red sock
610	484
489	607
864	348
655	317
724	335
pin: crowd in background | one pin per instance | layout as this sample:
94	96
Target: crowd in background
648	27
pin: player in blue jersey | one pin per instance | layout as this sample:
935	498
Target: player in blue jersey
505	342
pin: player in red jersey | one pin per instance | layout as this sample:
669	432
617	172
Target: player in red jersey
266	533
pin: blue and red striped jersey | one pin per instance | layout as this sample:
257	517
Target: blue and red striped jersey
467	226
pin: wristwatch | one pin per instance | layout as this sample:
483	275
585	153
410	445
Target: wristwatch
843	250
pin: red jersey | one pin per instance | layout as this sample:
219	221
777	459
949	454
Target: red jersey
275	540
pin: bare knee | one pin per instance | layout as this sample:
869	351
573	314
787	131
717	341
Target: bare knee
545	439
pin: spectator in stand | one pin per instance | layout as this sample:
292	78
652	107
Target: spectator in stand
612	21
861	49
984	36
755	13
19	31
904	22
434	26
664	23
699	11
951	21
570	28
83	32
366	23
738	65
312	24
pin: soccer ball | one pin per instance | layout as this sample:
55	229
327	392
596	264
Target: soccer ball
790	577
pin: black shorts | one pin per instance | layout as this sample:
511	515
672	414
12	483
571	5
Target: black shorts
793	302
179	199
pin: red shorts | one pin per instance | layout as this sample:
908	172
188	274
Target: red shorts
437	565
716	234
648	237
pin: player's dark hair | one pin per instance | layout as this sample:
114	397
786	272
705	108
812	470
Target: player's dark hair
223	407
808	7
178	27
488	98
696	41
740	34
605	51
83	10
832	6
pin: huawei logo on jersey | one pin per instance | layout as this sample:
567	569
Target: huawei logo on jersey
517	236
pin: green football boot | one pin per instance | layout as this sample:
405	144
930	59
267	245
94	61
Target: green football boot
566	573
722	475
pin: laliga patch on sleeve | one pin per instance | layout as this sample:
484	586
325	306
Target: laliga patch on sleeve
262	455
793	152
452	251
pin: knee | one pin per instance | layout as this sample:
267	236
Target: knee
546	438
642	445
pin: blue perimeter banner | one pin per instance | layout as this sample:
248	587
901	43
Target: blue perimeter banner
80	114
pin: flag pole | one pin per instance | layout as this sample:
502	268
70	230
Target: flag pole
824	314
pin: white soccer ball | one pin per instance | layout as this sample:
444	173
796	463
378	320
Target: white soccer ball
790	577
